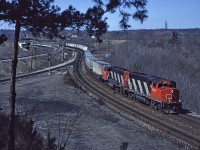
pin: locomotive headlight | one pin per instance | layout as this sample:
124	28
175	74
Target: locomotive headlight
172	91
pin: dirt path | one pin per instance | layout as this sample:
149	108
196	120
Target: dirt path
55	100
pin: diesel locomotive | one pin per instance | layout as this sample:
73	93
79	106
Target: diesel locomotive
154	91
159	93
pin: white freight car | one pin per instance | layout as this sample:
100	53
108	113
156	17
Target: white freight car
99	66
89	61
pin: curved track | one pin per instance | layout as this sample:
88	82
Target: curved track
69	62
56	50
180	128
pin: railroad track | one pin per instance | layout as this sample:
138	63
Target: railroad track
70	62
191	119
23	58
181	127
56	50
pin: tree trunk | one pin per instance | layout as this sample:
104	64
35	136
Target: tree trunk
11	126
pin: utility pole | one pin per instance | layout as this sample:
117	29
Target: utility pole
166	26
63	51
108	46
49	60
63	46
32	53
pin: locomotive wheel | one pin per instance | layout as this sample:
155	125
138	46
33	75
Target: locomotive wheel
156	107
166	110
134	97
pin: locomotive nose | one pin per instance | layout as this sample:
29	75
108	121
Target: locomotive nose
175	95
170	95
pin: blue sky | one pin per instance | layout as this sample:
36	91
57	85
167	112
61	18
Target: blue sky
177	13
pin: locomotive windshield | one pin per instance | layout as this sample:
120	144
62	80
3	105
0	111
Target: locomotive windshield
163	85
171	84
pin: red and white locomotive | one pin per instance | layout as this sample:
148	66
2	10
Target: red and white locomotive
152	90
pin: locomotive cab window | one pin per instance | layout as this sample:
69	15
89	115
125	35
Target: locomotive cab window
160	85
166	85
153	85
172	84
108	69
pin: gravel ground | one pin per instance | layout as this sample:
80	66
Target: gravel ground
59	105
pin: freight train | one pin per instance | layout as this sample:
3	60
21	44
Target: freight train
159	93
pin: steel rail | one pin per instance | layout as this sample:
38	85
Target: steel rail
190	118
